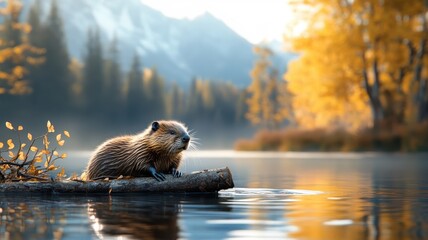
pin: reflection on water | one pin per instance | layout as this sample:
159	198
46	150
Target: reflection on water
283	196
140	216
40	217
136	217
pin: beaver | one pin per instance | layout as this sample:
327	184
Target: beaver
154	152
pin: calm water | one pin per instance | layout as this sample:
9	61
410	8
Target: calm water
282	196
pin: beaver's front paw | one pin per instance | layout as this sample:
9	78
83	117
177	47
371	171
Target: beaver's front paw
176	173
157	175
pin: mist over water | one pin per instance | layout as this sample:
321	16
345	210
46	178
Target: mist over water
74	70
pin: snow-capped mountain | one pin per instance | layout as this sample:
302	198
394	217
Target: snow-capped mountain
179	48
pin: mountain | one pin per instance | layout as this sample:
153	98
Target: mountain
180	49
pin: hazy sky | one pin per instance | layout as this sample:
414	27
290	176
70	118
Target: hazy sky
255	20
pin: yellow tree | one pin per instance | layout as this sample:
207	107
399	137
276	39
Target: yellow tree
15	52
268	102
255	89
357	57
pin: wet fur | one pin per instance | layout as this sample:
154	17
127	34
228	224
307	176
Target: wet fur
133	155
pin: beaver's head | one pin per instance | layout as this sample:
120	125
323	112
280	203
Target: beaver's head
170	135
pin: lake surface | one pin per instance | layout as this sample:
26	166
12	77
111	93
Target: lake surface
277	196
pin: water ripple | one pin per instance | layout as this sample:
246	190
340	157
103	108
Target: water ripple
267	192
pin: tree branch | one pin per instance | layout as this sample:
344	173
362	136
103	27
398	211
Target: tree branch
14	164
204	181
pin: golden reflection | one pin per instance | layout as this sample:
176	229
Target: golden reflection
19	220
352	205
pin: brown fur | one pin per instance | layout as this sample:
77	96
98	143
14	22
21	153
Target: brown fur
133	155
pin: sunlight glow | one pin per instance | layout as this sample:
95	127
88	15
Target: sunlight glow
339	222
255	20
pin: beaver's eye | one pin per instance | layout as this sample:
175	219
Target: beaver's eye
172	132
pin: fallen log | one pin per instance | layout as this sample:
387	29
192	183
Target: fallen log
204	181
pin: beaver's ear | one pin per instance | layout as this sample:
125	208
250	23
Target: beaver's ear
155	126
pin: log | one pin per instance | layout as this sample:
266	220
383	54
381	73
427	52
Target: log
211	180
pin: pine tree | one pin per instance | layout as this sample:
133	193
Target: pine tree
93	74
36	38
154	90
112	95
136	99
57	81
176	102
195	103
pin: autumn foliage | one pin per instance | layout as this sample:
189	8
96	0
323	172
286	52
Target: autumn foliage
16	53
360	81
362	63
269	101
28	158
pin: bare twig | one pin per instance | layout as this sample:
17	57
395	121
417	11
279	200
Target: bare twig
32	176
13	163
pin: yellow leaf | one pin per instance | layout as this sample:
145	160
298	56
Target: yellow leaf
33	148
20	128
45	164
10	144
61	143
1	145
64	155
29	136
66	133
55	153
21	156
38	159
50	126
61	173
46	152
51	167
9	125
32	170
23	145
11	154
58	137
39	154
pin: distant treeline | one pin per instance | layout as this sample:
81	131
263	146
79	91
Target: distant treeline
402	138
98	92
355	86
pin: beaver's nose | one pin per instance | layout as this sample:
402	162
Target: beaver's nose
185	139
